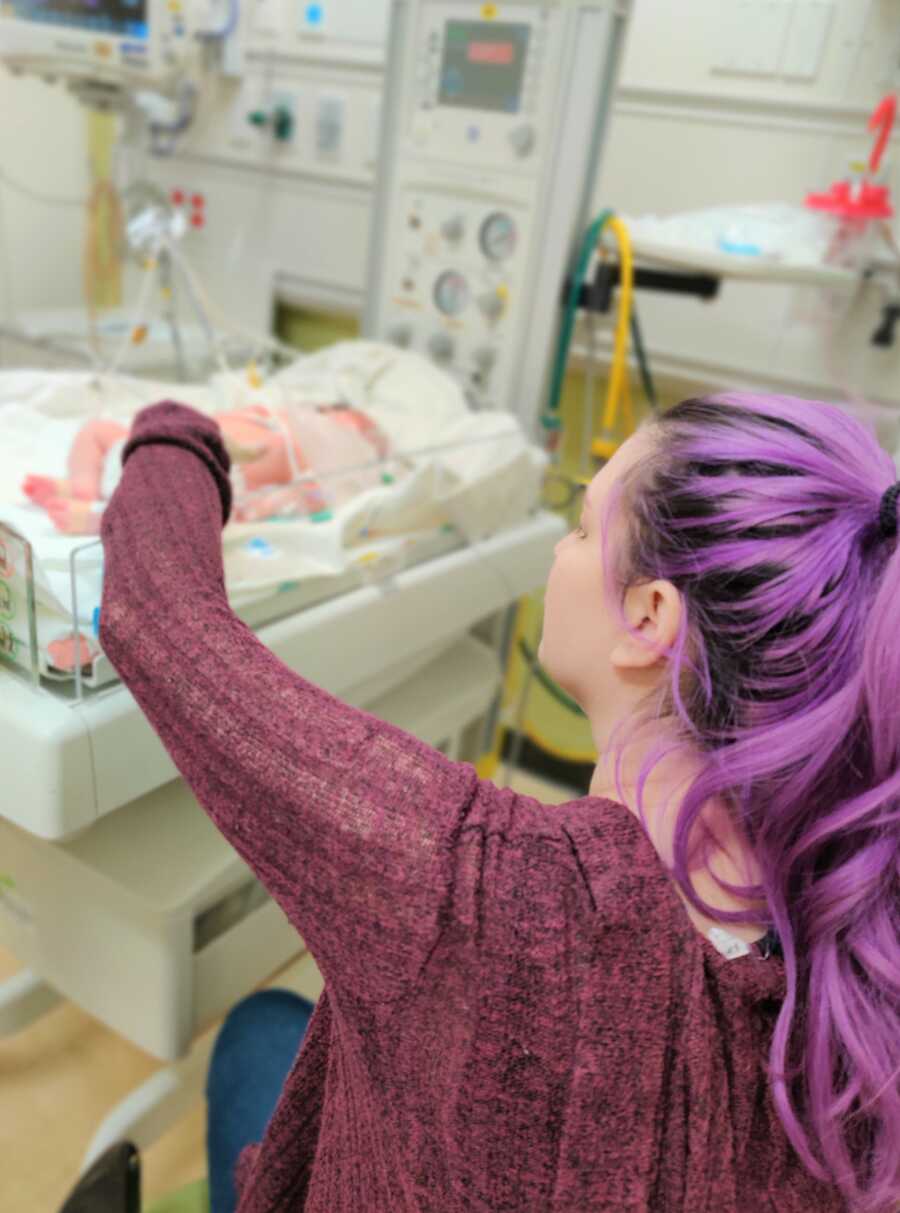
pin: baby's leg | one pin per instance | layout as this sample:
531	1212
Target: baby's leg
92	444
89	449
73	517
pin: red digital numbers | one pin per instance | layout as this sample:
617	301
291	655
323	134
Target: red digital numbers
491	52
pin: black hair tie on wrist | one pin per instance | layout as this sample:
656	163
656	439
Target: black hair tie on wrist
887	512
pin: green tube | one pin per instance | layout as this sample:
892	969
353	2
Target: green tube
588	244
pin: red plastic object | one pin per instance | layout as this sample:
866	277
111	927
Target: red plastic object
883	116
198	200
178	197
197	220
864	202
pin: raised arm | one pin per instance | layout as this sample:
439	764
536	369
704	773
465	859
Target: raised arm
351	824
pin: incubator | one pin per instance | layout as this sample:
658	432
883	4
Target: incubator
450	481
115	890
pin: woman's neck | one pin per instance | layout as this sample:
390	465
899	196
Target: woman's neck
730	856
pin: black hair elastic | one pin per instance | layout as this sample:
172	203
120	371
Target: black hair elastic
887	512
770	945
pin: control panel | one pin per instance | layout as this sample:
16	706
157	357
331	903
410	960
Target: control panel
494	122
458	274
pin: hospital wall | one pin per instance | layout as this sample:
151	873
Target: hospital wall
717	107
707	113
43	151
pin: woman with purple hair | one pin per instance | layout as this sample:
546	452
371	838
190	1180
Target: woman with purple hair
681	992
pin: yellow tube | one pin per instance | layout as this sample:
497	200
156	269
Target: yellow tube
619	369
103	229
617	387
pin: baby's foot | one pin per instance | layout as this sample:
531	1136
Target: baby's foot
63	652
41	489
74	517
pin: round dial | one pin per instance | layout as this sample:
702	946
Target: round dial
451	293
498	236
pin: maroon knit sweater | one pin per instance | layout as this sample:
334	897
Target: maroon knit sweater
518	1016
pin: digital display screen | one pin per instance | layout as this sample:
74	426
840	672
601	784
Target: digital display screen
125	18
483	66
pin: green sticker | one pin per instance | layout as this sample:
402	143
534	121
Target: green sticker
7	602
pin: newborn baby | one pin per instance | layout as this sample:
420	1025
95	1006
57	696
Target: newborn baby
273	451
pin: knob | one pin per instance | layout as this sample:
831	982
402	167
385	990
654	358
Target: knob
491	303
440	346
282	123
280	119
453	229
400	334
522	139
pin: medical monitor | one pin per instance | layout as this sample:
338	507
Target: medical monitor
131	42
125	18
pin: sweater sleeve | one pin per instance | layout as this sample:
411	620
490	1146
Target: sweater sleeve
351	824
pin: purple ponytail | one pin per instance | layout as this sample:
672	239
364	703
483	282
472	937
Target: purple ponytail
764	512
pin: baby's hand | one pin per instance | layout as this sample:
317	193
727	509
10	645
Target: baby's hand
241	452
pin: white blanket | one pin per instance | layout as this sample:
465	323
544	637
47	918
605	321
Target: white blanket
474	471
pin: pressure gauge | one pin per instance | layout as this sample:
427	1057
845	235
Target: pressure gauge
451	293
498	236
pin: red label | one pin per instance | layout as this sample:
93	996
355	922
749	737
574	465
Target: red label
491	52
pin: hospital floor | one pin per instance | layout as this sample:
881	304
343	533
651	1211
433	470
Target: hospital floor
60	1077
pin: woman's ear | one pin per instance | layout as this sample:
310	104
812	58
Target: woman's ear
653	618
